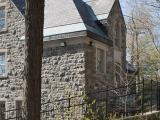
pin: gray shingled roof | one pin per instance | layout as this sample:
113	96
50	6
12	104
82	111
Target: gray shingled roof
60	12
20	5
101	7
68	16
76	13
64	12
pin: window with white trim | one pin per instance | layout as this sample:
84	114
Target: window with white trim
2	110
100	60
18	109
2	64
2	18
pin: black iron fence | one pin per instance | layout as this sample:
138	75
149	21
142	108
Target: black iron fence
126	100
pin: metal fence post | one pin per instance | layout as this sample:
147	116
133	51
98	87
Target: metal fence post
158	96
142	97
151	94
107	102
69	102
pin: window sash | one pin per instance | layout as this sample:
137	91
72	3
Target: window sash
2	69
2	18
2	63
2	110
18	110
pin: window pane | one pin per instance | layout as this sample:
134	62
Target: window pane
2	24
2	63
2	18
2	110
100	60
2	12
18	110
2	69
2	58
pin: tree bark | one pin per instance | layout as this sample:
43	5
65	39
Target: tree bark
34	20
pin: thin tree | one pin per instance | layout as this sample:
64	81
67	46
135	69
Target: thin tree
34	20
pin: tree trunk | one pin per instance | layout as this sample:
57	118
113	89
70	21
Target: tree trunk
34	20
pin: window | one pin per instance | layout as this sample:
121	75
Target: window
118	36
100	61
18	110
2	64
2	18
2	110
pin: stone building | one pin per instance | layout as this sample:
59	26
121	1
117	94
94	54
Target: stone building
84	40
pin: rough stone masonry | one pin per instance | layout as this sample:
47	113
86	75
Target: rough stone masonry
67	70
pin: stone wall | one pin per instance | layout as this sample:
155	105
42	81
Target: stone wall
115	24
11	84
63	72
94	80
63	77
66	71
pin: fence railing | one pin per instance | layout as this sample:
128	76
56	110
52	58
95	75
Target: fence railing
129	100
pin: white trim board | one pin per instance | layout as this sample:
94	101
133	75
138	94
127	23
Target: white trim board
68	29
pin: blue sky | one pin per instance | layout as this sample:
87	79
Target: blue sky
125	7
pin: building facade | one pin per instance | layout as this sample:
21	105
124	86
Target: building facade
84	41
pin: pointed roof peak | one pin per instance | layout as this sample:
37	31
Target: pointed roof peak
20	4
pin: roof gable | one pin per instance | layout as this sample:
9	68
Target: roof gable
64	12
101	7
20	5
59	14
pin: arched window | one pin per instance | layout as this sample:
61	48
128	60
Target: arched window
100	60
118	35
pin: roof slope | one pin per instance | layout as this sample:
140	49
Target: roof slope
64	12
66	16
101	7
60	12
20	5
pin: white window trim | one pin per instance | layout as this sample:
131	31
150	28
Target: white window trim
6	72
105	51
5	27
